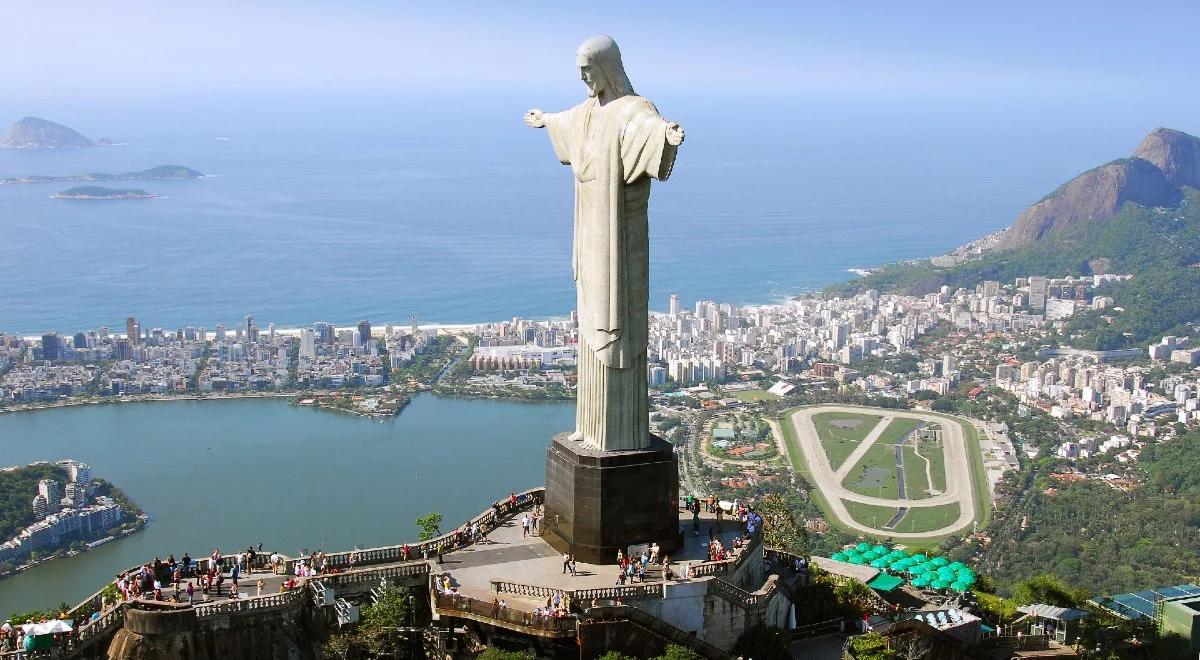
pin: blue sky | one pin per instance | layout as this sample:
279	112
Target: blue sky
60	50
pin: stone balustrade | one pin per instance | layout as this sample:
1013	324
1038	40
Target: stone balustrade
375	574
580	598
282	600
711	568
547	626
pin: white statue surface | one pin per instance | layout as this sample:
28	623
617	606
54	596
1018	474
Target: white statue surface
615	142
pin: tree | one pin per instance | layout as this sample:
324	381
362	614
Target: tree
781	528
430	526
871	646
493	653
679	652
1047	589
764	643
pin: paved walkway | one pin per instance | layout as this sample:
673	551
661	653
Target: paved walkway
530	560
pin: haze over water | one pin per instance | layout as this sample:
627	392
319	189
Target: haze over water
445	206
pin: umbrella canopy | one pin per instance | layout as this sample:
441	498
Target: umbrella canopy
48	628
918	567
939	561
966	579
945	573
957	566
869	555
878	563
960	586
940	584
857	560
863	546
838	556
920	582
880	549
897	565
920	558
896	554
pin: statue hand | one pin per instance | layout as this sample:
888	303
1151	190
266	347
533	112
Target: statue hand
674	134
535	119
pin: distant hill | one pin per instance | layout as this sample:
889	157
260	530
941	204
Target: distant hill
100	192
161	172
1138	215
1165	161
35	133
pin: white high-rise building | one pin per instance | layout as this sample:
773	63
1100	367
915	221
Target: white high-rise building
308	343
674	308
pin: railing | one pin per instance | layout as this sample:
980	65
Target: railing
581	598
374	574
815	629
1018	642
488	520
710	568
97	628
257	603
559	627
739	596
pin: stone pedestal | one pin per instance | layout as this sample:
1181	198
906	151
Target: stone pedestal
600	501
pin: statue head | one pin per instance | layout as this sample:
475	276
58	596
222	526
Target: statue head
600	67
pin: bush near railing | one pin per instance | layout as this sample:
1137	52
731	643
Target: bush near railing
479	608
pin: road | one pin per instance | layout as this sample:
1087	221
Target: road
824	477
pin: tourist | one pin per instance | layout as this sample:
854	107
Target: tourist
496	608
353	558
261	585
187	565
695	507
566	563
524	525
215	558
191	593
233	591
654	552
251	555
235	572
572	566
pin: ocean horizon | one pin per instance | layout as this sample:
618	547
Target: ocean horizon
319	209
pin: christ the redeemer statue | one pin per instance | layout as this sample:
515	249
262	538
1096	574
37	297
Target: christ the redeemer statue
615	142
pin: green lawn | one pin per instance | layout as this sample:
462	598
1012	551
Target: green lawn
916	483
879	461
925	519
937	459
983	496
869	514
896	431
840	442
750	396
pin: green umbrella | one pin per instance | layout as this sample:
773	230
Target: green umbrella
918	567
940	584
929	575
945	573
878	563
920	582
897	566
896	554
920	558
857	560
870	554
863	546
880	549
838	556
966	579
957	566
960	586
939	561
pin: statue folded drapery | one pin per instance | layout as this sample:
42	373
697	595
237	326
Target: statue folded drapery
615	142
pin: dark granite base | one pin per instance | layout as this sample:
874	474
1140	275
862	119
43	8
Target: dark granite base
600	501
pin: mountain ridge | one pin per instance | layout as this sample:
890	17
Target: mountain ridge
38	133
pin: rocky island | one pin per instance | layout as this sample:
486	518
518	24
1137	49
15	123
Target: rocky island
36	133
160	173
100	192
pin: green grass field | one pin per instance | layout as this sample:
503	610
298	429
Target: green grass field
937	462
840	442
926	519
916	482
869	514
750	396
897	429
881	461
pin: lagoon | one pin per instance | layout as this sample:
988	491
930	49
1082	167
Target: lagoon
237	472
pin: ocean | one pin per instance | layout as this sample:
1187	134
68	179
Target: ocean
447	208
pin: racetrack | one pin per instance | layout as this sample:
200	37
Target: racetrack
829	481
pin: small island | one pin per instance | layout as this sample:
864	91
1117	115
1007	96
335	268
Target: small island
160	173
37	133
100	192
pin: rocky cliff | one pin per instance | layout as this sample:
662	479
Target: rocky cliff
35	133
1164	161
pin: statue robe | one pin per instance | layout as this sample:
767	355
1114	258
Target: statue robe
614	150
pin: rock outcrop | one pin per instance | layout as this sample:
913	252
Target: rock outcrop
1176	153
1164	161
35	133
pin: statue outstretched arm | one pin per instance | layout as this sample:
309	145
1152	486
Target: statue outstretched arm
535	118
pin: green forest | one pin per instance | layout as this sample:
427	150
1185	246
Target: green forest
17	489
1091	534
